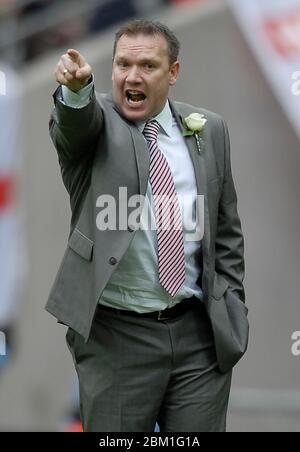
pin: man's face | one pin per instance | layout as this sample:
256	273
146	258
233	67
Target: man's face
142	75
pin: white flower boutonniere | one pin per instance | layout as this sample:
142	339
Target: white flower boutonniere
194	124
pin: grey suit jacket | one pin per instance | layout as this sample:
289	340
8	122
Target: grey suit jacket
98	152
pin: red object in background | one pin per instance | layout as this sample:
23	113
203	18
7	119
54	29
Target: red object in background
7	191
284	33
74	427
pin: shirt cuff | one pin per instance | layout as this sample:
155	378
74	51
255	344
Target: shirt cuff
77	100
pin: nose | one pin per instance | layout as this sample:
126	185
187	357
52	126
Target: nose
133	75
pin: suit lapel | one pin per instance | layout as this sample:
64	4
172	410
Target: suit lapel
142	157
141	151
199	163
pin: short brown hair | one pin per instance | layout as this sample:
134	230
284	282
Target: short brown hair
148	27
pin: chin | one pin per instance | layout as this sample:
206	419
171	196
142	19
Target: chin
134	116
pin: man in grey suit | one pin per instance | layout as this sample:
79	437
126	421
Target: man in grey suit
156	316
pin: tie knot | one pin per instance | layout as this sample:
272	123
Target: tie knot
150	131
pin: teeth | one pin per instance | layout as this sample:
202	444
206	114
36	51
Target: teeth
135	96
132	93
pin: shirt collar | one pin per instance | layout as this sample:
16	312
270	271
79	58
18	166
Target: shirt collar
164	118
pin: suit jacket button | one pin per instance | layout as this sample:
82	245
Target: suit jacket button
112	261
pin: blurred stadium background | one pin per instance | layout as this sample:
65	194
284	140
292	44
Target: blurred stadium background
221	71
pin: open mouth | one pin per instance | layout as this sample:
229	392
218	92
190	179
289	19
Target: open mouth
135	97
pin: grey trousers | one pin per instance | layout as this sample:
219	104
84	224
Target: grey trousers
134	372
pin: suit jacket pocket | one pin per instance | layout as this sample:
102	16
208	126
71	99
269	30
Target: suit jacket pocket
72	300
81	244
230	325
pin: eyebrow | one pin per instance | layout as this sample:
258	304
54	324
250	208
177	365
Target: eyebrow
142	61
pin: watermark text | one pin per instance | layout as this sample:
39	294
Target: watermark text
296	343
139	212
295	88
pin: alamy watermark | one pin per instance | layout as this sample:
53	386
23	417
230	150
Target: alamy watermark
2	84
295	88
137	212
296	343
2	344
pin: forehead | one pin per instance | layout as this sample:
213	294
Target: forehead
141	44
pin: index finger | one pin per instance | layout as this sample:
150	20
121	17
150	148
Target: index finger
74	55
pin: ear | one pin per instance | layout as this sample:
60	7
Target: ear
173	73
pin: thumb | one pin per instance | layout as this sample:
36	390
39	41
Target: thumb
84	72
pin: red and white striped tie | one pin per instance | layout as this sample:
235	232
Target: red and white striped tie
171	258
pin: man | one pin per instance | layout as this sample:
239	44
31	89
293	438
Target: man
156	316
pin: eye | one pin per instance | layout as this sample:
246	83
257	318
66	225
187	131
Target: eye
149	66
122	64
